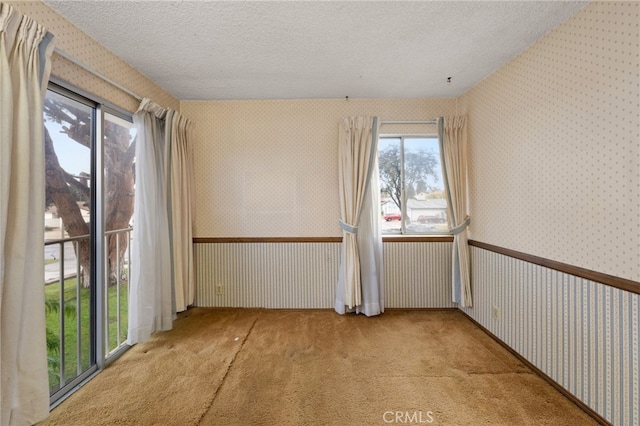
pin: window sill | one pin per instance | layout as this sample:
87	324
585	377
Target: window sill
417	238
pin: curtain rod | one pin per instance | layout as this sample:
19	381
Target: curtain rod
409	122
96	73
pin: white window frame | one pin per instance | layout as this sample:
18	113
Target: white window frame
403	194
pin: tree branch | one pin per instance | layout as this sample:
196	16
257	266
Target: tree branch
77	120
83	190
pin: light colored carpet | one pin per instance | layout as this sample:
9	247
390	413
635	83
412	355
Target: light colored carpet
314	367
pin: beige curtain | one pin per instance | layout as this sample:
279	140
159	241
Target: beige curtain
453	152
25	52
360	285
179	131
163	282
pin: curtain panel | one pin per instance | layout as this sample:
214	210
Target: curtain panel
150	295
452	132
162	281
181	188
360	286
25	66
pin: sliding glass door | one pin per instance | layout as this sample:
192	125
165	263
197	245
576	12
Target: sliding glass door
119	181
89	163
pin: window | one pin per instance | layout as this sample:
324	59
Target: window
89	163
412	198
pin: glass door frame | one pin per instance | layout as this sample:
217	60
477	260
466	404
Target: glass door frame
97	302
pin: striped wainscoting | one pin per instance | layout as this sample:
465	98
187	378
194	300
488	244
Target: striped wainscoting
582	334
292	275
418	275
266	275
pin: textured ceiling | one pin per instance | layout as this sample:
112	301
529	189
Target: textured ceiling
209	50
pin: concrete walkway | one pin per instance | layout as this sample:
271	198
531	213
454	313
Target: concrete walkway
52	270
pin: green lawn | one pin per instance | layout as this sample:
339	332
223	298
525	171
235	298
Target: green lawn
72	323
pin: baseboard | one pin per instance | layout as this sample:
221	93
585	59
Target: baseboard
597	417
422	309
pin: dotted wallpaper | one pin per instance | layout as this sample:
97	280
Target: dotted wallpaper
554	161
270	168
553	136
83	48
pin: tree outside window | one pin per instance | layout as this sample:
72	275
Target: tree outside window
411	189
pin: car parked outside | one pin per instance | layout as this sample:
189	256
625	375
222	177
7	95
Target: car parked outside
392	216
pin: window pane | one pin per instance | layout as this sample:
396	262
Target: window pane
68	139
119	156
68	134
119	160
426	205
389	160
411	186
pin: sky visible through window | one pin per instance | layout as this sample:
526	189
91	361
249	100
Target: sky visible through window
73	157
430	144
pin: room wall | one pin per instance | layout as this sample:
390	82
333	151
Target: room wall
555	172
554	156
71	40
269	168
